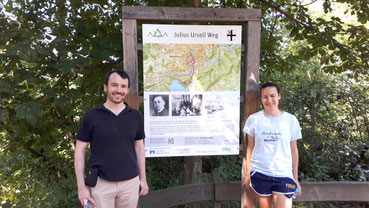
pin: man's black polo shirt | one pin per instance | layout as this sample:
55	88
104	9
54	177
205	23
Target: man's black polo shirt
112	140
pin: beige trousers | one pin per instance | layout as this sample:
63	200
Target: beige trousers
118	194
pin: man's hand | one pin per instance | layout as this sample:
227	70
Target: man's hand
144	188
84	196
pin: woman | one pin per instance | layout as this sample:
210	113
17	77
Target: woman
272	136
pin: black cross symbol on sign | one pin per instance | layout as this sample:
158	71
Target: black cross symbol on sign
231	35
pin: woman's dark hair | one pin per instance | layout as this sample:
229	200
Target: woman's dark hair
271	84
121	73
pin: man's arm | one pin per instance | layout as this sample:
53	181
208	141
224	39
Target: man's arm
140	153
295	164
79	166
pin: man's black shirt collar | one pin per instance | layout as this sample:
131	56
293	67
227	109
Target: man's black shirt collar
102	107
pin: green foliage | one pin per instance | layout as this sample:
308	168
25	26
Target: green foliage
341	45
29	182
164	172
30	111
172	167
228	166
52	57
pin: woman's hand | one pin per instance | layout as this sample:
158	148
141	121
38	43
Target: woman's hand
300	190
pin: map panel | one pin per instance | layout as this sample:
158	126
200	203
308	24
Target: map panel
191	67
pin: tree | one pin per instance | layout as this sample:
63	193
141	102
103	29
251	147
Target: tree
53	57
341	46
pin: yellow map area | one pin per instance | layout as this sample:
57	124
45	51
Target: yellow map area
191	67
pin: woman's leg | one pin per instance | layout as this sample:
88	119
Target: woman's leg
281	201
265	201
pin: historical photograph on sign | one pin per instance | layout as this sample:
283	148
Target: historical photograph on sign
159	105
186	105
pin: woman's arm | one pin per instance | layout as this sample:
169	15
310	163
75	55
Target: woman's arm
295	164
249	149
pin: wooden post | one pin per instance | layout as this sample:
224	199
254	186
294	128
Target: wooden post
217	179
251	94
130	59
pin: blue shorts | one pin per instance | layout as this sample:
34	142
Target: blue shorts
266	185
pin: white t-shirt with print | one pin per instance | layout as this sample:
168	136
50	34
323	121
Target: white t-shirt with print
272	135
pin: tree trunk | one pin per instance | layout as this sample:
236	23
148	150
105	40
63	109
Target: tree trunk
193	169
195	3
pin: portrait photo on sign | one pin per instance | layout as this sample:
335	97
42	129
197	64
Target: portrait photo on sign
159	105
186	105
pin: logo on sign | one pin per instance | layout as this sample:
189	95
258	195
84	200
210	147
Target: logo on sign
157	34
231	35
152	151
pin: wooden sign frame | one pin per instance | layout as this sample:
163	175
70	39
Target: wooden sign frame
251	18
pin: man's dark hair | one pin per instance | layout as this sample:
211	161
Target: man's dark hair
161	96
271	84
121	73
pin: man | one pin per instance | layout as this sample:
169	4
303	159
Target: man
115	132
159	106
176	105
